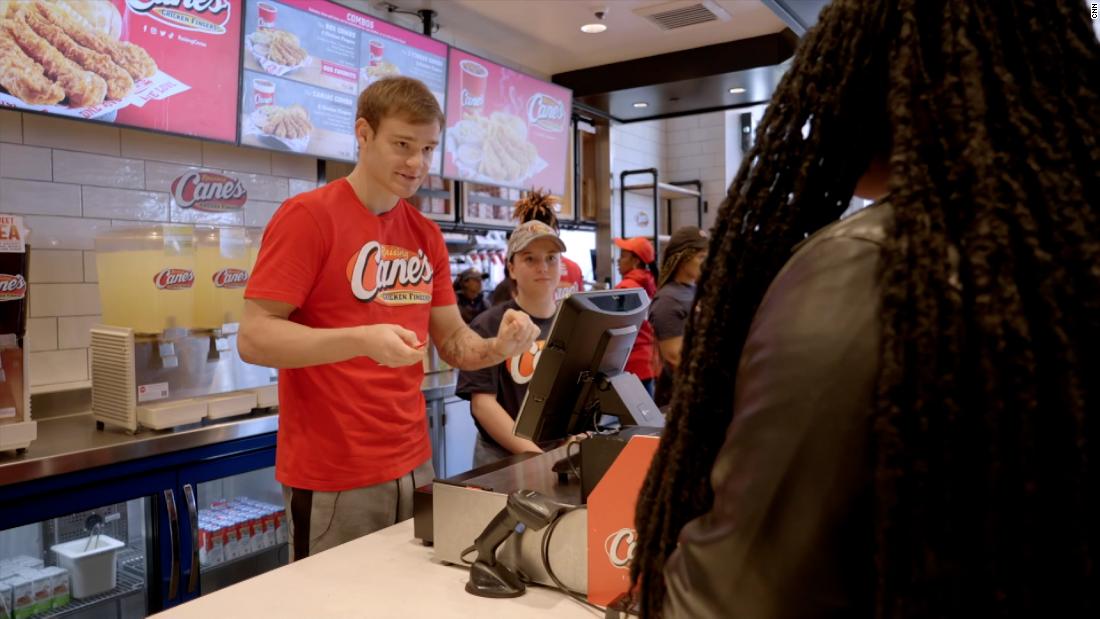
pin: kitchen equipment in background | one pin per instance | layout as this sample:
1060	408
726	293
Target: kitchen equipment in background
17	430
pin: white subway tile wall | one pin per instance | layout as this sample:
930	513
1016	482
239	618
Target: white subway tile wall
27	162
155	147
98	170
11	126
87	137
72	181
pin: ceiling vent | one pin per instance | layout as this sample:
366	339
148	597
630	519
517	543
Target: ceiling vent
683	13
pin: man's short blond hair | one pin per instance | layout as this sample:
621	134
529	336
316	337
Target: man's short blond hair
398	97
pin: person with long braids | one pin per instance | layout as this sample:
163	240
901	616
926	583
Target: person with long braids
539	205
682	265
894	415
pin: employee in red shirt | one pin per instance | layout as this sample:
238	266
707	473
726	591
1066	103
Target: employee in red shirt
350	282
636	258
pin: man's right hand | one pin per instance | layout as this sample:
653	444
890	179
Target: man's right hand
391	345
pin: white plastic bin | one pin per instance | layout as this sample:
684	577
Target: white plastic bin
93	571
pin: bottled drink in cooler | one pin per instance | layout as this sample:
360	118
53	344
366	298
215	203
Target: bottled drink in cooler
221	273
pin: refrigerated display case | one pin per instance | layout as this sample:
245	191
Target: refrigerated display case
140	522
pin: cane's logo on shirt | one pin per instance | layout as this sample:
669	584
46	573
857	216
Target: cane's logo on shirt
390	275
522	366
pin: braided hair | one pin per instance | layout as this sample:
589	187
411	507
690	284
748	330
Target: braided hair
984	487
537	205
672	264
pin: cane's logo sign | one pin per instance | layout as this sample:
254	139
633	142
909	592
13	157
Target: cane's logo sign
620	547
522	366
208	191
390	275
12	287
174	279
230	278
546	112
206	16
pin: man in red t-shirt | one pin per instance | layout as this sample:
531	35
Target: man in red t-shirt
349	284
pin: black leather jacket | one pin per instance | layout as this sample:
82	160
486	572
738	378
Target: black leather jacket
790	534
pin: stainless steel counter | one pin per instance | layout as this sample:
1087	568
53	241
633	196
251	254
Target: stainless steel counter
72	443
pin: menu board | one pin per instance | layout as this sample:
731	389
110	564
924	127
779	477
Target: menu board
305	62
504	127
154	64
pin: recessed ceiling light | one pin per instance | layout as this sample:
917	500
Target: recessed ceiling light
640	104
593	28
737	91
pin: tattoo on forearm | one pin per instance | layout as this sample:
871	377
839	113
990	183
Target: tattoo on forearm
467	350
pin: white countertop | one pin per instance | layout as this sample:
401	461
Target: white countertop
385	574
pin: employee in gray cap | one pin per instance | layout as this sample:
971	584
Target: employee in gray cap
496	392
682	264
469	293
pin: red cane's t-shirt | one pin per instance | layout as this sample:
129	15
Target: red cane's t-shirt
572	279
354	423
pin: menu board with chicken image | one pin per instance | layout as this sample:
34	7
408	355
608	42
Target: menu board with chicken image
305	62
153	64
504	127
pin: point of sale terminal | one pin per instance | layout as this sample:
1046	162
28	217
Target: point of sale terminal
563	518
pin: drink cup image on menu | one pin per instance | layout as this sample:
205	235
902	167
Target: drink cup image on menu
267	13
377	66
474	79
263	93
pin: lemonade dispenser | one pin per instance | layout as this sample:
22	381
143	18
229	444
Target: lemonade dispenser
221	273
147	277
166	354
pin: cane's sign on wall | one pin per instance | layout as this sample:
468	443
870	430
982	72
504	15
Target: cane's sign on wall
209	191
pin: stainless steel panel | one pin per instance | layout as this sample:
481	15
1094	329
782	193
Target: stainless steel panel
462	510
197	364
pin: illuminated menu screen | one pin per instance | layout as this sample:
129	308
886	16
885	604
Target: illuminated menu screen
505	127
305	62
152	64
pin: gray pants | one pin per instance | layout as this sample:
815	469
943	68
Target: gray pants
321	520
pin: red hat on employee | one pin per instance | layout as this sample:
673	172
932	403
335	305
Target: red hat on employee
640	247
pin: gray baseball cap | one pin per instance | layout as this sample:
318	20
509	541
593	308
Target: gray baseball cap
529	232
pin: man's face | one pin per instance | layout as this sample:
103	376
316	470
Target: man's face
398	155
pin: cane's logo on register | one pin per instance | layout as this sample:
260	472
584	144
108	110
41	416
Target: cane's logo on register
620	547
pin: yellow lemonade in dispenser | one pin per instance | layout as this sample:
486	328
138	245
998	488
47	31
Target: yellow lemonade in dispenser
255	235
221	273
146	277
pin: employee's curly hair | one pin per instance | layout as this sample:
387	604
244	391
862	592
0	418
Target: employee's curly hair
537	205
984	500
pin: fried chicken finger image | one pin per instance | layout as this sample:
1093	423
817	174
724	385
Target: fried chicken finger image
135	60
23	77
83	88
119	82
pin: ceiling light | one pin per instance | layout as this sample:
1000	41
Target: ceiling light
640	104
737	91
593	28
